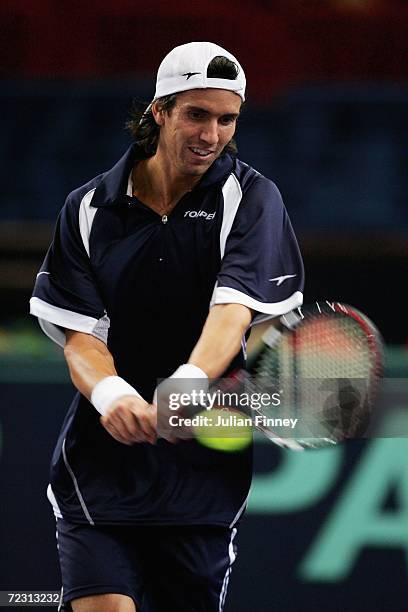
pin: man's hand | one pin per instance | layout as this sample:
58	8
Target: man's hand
174	397
130	420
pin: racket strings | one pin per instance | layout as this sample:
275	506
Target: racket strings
322	371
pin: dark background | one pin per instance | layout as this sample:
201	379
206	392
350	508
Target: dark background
345	508
326	119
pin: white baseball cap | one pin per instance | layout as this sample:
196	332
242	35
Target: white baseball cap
185	68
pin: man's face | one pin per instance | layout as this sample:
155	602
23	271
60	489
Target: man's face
196	130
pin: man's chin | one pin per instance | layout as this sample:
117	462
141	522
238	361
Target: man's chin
197	169
189	170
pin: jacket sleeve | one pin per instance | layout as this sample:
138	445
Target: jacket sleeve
261	265
65	294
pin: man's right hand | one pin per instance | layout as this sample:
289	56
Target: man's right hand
130	420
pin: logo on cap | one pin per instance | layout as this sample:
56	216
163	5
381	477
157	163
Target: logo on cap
190	74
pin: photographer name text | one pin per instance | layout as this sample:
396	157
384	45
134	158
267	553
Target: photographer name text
230	420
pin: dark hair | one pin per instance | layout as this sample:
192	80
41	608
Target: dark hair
144	128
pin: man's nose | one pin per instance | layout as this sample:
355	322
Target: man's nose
209	133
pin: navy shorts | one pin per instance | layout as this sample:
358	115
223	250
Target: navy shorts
183	569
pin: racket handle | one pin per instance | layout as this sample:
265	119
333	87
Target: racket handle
289	443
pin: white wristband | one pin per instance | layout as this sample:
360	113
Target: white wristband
185	371
188	370
108	390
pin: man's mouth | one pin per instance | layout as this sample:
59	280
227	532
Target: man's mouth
203	153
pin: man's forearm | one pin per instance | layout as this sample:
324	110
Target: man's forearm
126	416
89	361
221	338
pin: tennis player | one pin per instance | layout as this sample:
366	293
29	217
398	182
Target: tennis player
157	269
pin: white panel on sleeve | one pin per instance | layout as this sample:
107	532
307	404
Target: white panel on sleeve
51	318
86	217
227	295
232	194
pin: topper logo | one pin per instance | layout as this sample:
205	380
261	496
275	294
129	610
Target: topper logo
199	213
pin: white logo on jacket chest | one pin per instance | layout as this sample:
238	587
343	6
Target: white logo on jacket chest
199	213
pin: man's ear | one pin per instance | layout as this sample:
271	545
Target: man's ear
158	114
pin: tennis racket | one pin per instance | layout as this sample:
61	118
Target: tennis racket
324	363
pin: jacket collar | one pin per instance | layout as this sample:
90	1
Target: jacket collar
113	187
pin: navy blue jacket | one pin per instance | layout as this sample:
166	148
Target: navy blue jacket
143	284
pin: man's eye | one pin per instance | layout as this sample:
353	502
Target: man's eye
227	120
196	115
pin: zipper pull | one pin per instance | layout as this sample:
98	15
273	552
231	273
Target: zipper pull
164	219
